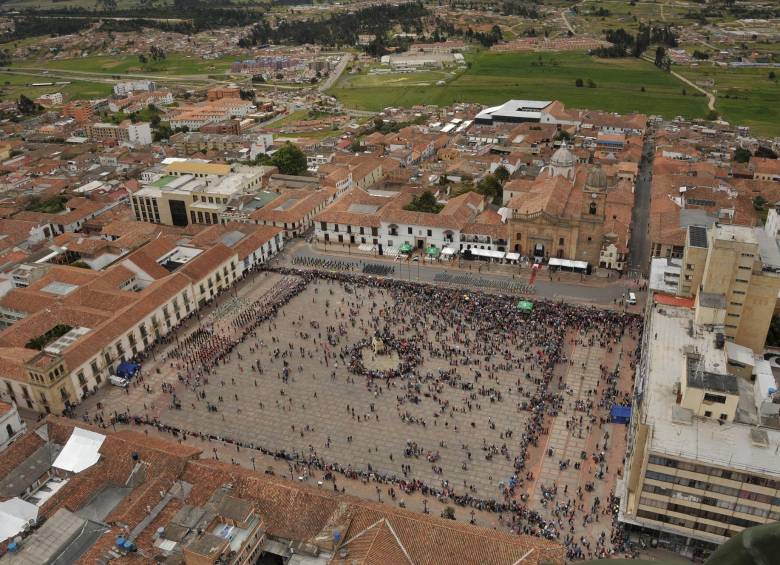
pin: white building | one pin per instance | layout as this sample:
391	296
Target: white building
11	426
126	87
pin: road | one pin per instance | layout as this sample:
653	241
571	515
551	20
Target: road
639	245
599	292
566	21
710	96
336	73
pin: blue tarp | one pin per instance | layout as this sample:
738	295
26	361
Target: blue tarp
126	369
620	414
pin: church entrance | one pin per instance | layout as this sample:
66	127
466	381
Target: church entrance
538	250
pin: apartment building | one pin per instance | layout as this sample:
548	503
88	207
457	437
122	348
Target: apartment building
194	116
126	132
733	273
701	460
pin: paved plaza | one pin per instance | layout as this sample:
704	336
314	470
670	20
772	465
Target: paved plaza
455	425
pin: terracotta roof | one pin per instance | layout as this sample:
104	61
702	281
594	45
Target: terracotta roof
204	264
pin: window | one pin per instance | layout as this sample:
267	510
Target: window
724	416
94	366
719	398
708	414
430	233
560	241
409	231
592	208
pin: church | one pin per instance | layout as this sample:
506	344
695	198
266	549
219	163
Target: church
569	211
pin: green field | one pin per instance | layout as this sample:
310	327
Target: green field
173	64
494	78
12	85
743	96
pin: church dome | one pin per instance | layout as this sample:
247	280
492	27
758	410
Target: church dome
597	179
562	157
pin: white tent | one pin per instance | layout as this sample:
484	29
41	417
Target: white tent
448	251
15	515
490	254
512	257
80	452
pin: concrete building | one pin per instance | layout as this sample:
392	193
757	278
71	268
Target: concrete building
705	426
733	273
127	132
129	86
189	194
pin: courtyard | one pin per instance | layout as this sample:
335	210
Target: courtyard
452	393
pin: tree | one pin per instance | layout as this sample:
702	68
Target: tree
742	155
501	173
27	106
765	152
491	187
290	160
579	83
591	84
425	202
660	53
356	146
712	115
772	75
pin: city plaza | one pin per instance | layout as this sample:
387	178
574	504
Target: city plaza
404	392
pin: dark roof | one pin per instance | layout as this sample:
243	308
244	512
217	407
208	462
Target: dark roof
709	381
698	236
29	471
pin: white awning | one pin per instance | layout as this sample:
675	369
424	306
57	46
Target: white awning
15	515
448	251
80	452
366	247
567	263
391	251
488	253
512	257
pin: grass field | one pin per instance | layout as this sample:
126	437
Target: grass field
173	64
494	78
743	96
11	86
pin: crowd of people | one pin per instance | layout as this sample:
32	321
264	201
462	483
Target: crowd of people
477	337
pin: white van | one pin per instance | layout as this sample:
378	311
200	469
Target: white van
118	381
631	298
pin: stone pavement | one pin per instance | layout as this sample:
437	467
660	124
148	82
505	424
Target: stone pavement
307	411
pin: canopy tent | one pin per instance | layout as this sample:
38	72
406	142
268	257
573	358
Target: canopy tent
620	414
525	306
366	247
488	253
433	251
81	451
447	251
512	256
16	515
406	248
127	369
568	264
391	252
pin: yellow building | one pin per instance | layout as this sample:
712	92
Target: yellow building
734	270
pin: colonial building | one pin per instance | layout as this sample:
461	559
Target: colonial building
563	213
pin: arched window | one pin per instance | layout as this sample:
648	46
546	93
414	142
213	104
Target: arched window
593	208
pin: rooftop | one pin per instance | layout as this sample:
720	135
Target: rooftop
675	338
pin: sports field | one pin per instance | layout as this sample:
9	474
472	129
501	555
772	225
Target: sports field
493	78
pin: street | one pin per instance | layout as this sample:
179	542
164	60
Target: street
639	245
